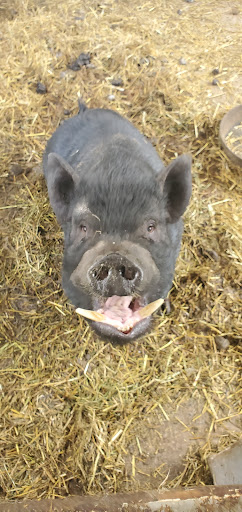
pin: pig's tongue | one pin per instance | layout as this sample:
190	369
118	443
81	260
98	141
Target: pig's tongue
121	312
117	308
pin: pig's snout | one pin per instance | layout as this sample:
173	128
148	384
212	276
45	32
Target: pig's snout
114	275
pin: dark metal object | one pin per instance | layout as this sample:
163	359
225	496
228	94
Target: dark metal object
231	119
199	499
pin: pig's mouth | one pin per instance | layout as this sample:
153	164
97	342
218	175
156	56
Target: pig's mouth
121	314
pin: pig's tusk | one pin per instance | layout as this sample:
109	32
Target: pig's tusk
99	317
92	315
150	308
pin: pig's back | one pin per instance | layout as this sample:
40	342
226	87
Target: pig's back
80	135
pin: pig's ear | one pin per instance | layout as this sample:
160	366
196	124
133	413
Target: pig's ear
176	184
62	179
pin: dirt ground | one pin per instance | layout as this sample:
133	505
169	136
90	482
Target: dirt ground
78	415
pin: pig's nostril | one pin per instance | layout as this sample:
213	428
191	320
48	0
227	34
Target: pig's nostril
122	270
128	273
101	273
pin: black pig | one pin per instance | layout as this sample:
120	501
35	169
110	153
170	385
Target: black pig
120	209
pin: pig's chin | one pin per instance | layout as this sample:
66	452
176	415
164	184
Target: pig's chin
110	333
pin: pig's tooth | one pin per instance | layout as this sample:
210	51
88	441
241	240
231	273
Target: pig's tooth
92	315
126	328
150	308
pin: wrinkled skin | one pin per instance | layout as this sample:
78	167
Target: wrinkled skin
120	210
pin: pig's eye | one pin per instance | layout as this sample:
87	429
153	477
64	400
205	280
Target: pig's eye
83	229
151	227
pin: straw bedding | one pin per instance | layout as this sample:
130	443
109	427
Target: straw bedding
78	415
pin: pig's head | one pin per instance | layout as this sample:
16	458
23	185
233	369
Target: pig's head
122	225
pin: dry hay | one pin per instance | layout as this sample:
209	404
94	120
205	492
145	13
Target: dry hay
75	412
